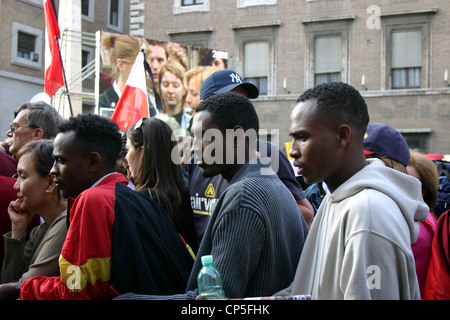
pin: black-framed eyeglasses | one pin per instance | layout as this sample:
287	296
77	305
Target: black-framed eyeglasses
14	126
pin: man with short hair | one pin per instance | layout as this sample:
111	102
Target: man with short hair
156	55
205	192
359	245
118	241
256	231
34	121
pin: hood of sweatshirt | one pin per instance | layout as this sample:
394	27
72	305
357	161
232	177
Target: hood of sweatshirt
404	189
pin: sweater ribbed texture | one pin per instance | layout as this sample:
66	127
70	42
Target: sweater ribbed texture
256	234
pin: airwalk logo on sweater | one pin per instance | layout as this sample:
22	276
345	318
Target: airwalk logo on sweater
204	204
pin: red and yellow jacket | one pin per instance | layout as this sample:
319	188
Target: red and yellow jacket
117	242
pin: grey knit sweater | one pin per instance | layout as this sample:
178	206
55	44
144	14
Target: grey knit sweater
256	234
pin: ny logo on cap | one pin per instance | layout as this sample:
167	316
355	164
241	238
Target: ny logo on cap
235	78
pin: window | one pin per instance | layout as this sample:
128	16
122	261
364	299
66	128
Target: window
327	49
87	10
418	138
406	48
84	58
256	64
26	48
406	59
87	57
85	7
327	59
191	2
115	15
254	56
188	6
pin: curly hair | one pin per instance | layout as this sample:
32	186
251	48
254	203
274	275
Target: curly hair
95	133
338	100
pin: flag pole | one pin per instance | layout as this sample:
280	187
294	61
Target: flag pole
64	74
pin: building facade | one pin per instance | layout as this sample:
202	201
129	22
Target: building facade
396	53
22	54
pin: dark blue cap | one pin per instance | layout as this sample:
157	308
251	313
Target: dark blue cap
224	81
382	139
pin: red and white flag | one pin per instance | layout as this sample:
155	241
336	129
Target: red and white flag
53	66
133	103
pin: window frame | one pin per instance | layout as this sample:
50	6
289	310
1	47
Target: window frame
328	74
90	16
39	34
389	30
90	57
418	138
256	80
193	4
264	32
119	26
326	27
406	21
178	7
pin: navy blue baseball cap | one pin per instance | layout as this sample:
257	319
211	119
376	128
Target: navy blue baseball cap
224	81
382	139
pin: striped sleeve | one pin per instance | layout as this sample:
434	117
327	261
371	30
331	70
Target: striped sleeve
85	261
238	256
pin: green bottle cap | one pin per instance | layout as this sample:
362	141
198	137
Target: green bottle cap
207	260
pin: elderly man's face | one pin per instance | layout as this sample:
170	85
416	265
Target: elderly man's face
20	133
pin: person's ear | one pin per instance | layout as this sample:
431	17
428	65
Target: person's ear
119	64
344	134
51	185
94	161
38	134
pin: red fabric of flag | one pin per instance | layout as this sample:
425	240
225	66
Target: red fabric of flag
133	103
53	68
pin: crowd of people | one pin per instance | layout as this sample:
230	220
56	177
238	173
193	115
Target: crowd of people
96	213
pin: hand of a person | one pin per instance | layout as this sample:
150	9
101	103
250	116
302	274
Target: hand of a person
10	291
19	219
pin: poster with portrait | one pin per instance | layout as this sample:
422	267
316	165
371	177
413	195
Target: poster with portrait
117	53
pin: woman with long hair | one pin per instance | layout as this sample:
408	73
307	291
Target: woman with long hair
122	52
154	174
173	96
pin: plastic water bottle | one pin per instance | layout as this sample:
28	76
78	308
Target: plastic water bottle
209	281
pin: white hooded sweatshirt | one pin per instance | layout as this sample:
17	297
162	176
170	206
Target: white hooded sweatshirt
359	244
